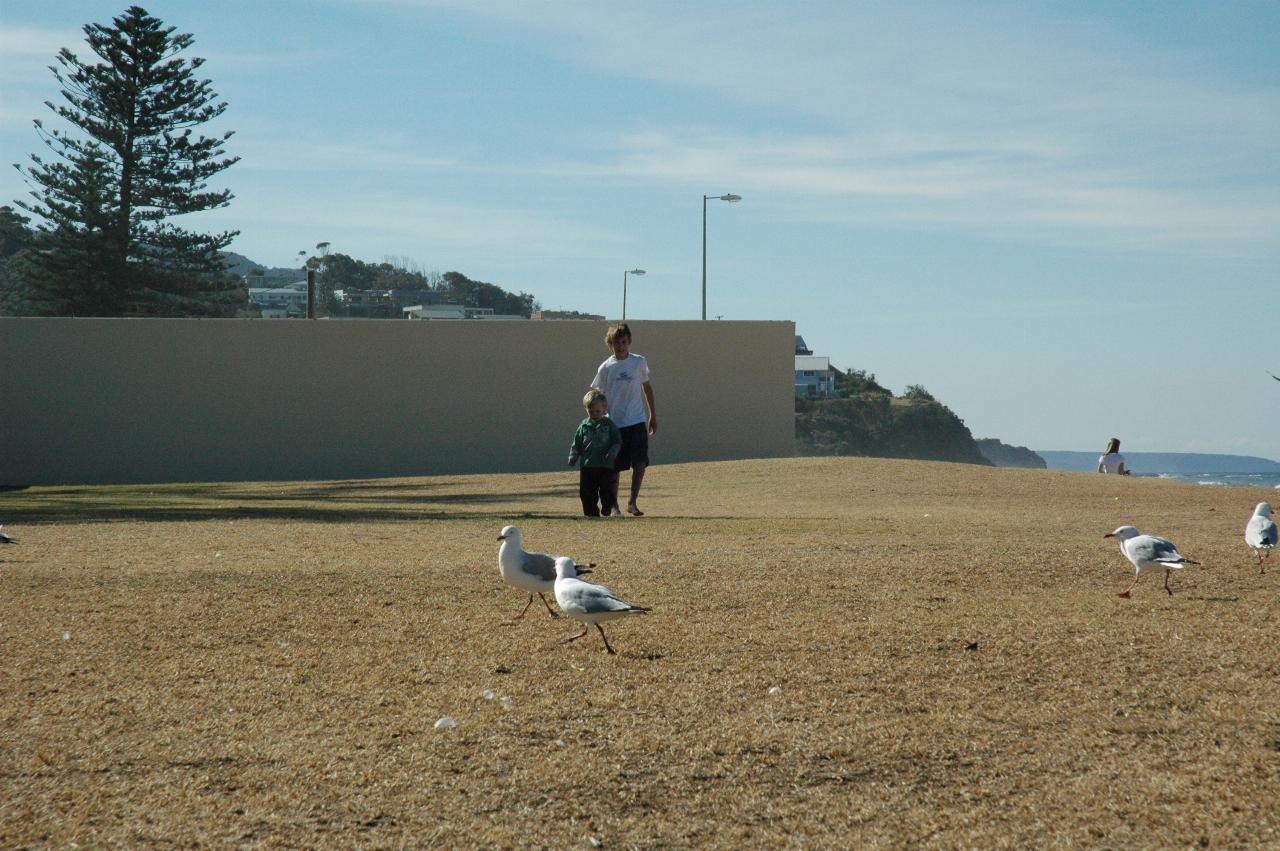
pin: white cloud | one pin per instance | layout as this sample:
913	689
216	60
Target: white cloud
424	228
26	53
991	117
304	156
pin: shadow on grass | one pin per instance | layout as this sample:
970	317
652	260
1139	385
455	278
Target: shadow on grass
327	502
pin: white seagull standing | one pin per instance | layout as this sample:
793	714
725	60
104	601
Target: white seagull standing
587	603
5	539
1148	551
1261	533
532	572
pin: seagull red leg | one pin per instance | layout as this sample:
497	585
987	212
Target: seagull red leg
1167	574
525	609
612	652
574	637
550	610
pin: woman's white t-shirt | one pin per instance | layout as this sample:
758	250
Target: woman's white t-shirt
1111	462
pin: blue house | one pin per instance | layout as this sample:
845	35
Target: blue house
814	378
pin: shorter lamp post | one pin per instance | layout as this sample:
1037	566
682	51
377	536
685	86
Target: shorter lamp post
624	289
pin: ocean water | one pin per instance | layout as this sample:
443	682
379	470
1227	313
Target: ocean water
1241	480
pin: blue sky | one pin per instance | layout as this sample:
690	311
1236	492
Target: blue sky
1062	218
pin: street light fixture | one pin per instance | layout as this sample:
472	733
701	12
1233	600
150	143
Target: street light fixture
705	198
624	289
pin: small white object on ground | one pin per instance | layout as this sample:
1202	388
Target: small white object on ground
486	694
532	572
587	603
1148	551
505	702
1261	533
66	636
775	691
446	722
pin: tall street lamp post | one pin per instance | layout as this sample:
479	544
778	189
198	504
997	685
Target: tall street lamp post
624	289
705	198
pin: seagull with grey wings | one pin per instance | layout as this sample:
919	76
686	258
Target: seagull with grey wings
1261	533
587	603
1148	551
532	572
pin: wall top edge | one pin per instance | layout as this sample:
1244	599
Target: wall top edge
294	322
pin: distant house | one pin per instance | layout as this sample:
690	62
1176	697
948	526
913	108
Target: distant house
291	311
565	314
287	301
456	311
367	304
814	379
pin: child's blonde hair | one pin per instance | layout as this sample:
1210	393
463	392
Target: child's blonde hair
593	396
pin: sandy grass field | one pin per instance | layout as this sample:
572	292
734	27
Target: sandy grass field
263	665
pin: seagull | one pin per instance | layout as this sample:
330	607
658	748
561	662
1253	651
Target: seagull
1261	533
1147	551
587	603
5	539
533	572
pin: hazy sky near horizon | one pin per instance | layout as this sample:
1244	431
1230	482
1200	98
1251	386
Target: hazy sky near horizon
1062	218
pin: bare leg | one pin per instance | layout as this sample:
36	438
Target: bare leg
637	476
612	652
612	490
1128	592
574	637
525	609
550	611
1167	574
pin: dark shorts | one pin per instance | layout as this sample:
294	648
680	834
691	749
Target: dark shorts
635	447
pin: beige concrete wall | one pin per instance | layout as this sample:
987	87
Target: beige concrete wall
162	400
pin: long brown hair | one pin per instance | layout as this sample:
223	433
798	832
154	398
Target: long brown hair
1113	446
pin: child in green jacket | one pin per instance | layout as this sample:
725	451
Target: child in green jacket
596	443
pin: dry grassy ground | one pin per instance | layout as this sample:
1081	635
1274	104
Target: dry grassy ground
262	665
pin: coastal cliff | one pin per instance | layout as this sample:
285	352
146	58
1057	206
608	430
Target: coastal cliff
884	426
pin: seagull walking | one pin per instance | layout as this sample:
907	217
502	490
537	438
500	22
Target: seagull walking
587	603
532	572
5	539
1148	551
1261	533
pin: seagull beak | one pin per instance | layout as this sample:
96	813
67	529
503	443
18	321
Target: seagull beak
1109	535
501	538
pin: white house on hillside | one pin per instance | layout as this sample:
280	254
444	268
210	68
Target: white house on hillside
456	311
279	302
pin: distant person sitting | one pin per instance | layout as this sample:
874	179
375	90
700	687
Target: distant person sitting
1112	461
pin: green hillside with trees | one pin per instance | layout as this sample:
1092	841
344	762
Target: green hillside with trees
867	419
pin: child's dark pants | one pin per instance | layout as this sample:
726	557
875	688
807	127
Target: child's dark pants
593	487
